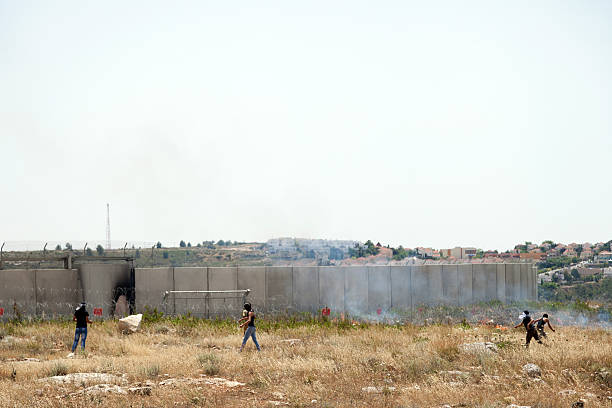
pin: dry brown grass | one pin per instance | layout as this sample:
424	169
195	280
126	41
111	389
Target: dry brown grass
328	364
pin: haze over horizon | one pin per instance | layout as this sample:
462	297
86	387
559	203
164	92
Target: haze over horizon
440	124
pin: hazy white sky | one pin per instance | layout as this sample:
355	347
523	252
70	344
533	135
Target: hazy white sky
417	123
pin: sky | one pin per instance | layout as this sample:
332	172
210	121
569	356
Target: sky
437	123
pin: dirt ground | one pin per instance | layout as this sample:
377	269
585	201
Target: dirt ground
196	363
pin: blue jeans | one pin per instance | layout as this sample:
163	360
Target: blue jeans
250	332
79	332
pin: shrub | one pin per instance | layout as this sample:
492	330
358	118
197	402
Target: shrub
210	363
151	371
57	369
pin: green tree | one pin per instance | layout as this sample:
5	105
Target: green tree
68	245
182	244
100	249
220	242
575	274
189	245
58	247
89	252
158	245
399	253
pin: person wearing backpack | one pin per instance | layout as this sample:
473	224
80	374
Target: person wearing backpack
541	323
529	324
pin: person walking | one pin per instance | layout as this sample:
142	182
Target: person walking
81	317
250	327
529	324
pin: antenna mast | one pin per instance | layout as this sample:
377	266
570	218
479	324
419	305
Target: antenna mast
108	240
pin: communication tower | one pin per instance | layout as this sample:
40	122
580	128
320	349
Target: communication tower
108	241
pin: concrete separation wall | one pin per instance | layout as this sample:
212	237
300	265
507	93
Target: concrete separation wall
103	283
58	292
151	283
356	283
357	290
18	292
401	287
306	288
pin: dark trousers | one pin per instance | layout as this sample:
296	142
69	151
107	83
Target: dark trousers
532	333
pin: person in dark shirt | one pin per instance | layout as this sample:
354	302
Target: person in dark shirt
250	327
541	323
530	327
81	317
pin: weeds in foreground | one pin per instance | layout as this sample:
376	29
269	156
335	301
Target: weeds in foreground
210	363
150	371
57	369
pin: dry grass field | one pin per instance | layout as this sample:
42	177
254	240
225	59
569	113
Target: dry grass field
185	363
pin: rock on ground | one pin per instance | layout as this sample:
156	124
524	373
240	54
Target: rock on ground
454	374
482	347
377	390
102	389
218	381
86	378
532	370
567	392
145	390
130	324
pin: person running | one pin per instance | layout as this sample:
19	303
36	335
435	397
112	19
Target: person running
81	317
530	327
541	323
250	327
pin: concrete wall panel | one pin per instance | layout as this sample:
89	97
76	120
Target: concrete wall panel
450	284
254	278
479	283
525	281
279	288
501	282
151	283
434	283
17	287
189	279
465	280
379	288
331	288
401	288
490	271
306	288
224	278
513	282
103	283
58	292
534	283
420	289
355	289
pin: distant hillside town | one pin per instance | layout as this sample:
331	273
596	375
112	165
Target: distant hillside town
355	252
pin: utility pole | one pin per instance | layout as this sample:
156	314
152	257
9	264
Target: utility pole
108	239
